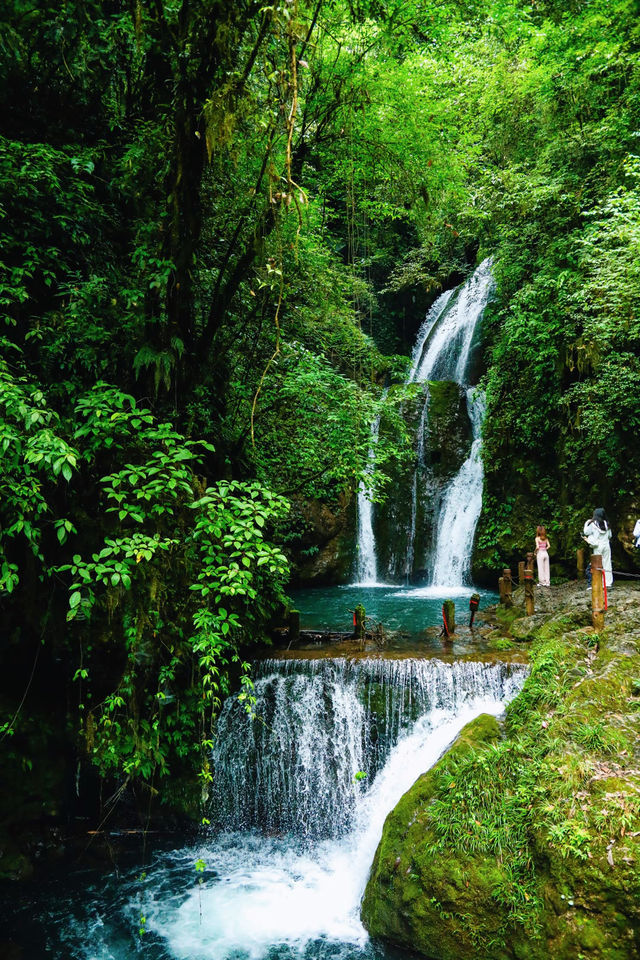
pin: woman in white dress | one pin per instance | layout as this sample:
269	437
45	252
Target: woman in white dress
597	533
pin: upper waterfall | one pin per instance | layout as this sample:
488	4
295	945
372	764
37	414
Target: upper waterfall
461	507
424	532
446	346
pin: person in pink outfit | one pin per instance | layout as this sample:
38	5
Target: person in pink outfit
542	556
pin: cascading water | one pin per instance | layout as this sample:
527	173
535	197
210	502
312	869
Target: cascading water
431	319
316	723
286	876
447	346
461	507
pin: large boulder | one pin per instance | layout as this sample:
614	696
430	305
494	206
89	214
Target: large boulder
527	847
409	893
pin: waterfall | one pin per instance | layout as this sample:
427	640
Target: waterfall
461	507
431	319
285	875
316	723
297	889
366	564
431	519
445	350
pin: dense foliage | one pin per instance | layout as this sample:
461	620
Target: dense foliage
217	221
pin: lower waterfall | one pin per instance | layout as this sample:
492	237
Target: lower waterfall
283	873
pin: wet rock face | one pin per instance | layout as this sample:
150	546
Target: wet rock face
465	869
626	523
448	436
325	549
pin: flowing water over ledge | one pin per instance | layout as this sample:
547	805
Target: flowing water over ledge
282	876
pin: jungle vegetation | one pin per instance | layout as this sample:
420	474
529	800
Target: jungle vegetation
219	224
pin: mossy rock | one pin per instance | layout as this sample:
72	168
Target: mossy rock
524	629
397	905
528	850
499	643
448	429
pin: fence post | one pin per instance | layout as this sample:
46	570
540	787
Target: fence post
529	604
521	572
449	615
501	588
506	576
474	603
359	615
580	563
294	626
597	592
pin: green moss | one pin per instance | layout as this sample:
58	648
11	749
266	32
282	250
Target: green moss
448	428
505	847
507	615
501	643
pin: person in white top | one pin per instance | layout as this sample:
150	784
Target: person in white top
636	534
597	533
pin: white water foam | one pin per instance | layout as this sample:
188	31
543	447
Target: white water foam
268	893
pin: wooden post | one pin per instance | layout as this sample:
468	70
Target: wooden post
580	563
529	604
530	562
501	588
506	576
521	572
449	616
293	620
474	603
358	622
597	592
